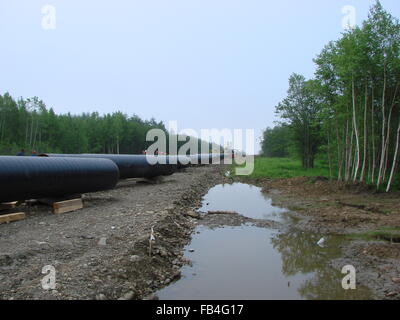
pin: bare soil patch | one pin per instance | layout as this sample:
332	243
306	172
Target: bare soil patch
326	207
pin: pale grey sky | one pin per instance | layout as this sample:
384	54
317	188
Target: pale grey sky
207	64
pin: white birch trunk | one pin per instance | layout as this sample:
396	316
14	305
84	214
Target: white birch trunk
357	162
394	164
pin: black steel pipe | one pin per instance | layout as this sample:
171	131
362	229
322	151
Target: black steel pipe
23	178
182	161
130	166
206	158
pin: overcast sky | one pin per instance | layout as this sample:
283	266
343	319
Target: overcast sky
205	63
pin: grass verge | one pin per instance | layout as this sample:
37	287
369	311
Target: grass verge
278	168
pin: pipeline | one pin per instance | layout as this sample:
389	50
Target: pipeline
23	178
182	161
207	158
130	166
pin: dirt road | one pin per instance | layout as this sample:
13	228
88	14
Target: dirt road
101	251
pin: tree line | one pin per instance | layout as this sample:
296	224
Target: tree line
349	112
28	124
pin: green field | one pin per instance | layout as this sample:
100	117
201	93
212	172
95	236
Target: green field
286	168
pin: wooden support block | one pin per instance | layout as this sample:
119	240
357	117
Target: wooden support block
67	206
8	205
5	218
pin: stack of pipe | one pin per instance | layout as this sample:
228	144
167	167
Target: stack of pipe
23	178
57	175
130	166
207	158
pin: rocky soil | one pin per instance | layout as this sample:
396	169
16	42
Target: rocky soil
103	251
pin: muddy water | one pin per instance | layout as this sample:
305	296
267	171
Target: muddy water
245	199
249	262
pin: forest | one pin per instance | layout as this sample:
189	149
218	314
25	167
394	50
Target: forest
348	114
28	124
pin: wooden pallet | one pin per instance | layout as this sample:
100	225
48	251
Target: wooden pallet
60	205
64	205
6	218
67	205
6	212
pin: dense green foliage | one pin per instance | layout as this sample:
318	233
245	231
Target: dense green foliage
28	124
276	142
301	111
350	112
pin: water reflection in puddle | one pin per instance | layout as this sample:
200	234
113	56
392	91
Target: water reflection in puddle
234	263
249	262
242	198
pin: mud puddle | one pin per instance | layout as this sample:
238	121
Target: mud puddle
249	262
244	199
